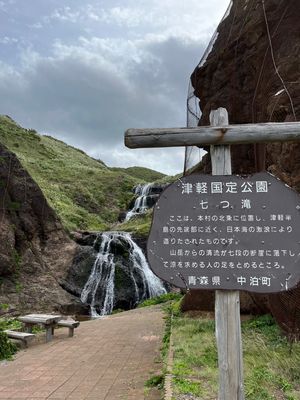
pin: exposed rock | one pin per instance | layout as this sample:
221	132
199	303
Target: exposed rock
141	241
150	200
254	74
153	188
130	282
35	251
239	74
80	270
85	238
122	216
145	197
76	307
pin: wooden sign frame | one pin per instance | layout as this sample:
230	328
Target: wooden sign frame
220	135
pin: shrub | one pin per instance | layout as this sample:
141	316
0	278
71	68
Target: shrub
7	348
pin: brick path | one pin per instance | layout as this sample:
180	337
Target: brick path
109	359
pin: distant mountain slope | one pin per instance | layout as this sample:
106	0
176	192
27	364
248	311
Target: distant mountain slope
145	174
85	193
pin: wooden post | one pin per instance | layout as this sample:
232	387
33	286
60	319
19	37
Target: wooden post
219	134
49	334
213	135
227	303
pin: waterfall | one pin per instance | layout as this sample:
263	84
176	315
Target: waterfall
140	205
99	290
103	271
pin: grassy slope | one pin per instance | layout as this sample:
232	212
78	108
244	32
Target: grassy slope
85	193
271	370
144	174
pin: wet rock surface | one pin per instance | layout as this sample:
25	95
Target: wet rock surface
130	285
146	196
154	188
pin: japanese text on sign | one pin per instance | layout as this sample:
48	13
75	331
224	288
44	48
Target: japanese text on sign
228	232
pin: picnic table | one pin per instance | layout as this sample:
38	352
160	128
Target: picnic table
48	321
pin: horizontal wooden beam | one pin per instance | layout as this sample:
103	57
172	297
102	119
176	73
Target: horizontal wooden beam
209	135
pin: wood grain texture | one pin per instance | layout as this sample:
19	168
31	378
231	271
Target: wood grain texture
213	135
227	303
229	342
220	155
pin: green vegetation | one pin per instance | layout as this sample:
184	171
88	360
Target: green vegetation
172	309
271	370
117	311
168	179
7	348
139	224
85	193
10	323
144	174
155	381
160	299
270	366
15	325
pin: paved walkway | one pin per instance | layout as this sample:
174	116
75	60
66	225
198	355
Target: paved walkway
109	359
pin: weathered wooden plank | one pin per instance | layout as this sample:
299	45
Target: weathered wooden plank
47	320
227	308
220	155
49	332
39	318
228	334
213	135
69	323
19	335
24	337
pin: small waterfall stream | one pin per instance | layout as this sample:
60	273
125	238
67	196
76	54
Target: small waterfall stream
140	205
99	290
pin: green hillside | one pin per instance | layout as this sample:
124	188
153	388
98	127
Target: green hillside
144	174
85	193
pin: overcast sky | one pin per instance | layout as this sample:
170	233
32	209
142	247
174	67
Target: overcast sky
85	71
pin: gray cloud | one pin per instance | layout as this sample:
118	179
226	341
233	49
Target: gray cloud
89	90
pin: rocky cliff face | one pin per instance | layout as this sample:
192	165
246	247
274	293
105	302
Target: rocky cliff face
253	71
35	251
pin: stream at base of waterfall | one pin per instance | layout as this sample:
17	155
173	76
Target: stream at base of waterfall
99	289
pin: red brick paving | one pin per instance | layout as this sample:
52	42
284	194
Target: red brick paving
107	359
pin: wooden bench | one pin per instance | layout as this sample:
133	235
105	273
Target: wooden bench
69	323
23	336
48	321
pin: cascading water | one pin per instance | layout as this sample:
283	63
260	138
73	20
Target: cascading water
103	271
99	290
140	205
